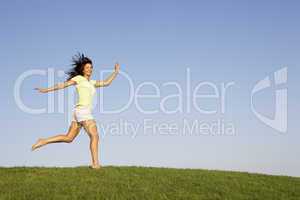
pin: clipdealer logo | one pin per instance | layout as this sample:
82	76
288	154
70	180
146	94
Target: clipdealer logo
278	79
280	120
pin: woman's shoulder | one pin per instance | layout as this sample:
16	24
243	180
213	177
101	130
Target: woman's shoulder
77	78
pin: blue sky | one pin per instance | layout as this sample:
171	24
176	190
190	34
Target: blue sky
154	41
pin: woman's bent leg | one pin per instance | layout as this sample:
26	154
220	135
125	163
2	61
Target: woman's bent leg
73	131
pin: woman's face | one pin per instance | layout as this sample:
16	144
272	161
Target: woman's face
88	69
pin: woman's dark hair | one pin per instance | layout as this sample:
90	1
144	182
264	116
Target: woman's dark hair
78	63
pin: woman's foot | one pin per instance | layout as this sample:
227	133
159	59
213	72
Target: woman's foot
95	166
38	144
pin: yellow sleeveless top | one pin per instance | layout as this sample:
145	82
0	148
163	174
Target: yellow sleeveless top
85	91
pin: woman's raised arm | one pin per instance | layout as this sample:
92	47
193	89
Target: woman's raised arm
107	82
57	86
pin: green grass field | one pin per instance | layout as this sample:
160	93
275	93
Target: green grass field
141	183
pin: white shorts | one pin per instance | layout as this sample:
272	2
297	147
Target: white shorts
82	114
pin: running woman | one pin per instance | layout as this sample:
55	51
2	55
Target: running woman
80	76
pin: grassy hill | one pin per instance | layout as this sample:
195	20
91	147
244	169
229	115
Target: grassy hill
141	183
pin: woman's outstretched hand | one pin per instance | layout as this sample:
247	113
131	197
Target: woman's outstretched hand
41	90
117	67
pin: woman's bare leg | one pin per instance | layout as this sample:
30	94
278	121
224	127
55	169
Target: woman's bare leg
69	137
91	129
